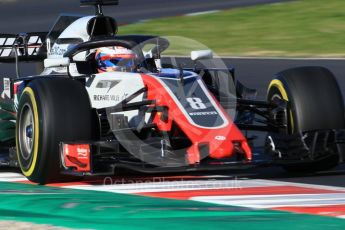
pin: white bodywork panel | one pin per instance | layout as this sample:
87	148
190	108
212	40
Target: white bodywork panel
56	62
201	54
110	89
106	89
77	29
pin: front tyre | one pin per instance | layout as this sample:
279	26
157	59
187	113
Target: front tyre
50	111
314	116
27	133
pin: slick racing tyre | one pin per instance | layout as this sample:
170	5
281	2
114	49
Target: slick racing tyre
51	110
314	115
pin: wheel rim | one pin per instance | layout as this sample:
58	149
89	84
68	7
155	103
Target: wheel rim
274	96
26	132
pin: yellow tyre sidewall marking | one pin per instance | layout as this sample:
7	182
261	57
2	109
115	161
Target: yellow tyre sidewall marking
279	85
31	169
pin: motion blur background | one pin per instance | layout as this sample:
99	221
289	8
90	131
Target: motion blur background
24	15
232	28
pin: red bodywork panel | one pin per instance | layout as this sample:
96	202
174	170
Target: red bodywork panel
77	156
223	142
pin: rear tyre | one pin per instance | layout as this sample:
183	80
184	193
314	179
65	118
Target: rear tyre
50	111
315	113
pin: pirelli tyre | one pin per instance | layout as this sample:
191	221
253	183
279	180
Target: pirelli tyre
315	114
50	110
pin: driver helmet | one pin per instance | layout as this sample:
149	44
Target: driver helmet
117	58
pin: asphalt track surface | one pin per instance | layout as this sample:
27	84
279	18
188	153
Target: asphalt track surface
254	73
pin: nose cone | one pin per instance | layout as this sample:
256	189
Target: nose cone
221	148
220	145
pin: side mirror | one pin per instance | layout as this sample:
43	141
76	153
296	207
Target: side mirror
201	54
56	62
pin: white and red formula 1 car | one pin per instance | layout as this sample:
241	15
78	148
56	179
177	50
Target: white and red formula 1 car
72	120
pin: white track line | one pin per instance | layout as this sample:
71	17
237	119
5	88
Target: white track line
305	185
139	186
202	13
11	177
275	201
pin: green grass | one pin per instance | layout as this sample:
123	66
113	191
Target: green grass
298	28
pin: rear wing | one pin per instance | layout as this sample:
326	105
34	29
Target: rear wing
27	47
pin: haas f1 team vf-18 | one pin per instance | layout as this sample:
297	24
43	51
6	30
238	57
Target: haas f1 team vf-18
74	120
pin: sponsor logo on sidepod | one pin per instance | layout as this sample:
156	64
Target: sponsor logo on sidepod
220	138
